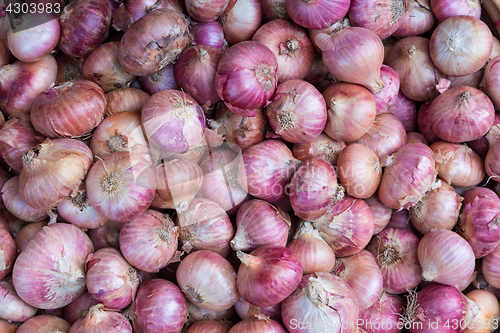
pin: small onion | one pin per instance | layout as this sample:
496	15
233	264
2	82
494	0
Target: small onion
16	205
258	223
161	80
139	8
424	125
406	111
209	326
445	257
322	146
8	327
98	320
384	316
208	33
443	9
417	20
381	213
268	275
44	324
79	308
491	81
125	99
12	307
106	236
206	11
395	251
489	311
260	324
317	14
53	261
241	20
246	310
27	233
111	280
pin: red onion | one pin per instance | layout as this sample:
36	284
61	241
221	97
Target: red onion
489	311
268	275
17	136
149	241
445	257
269	166
471	80
291	46
347	226
206	11
416	137
125	99
208	280
408	177
351	111
172	121
384	316
387	97
361	272
444	9
480	219
98	320
381	17
241	20
111	280
13	308
418	75
259	224
242	131
27	233
381	213
317	14
68	68
359	170
140	53
490	267
84	26
79	308
53	170
395	251
72	109
491	161
491	81
258	324
8	327
406	111
438	209
33	35
323	146
195	70
322	302
298	112
160	306
204	225
208	33
44	324
246	310
417	20
161	80
44	266
103	67
423	123
121	186
106	236
177	183
21	83
461	114
461	45
209	326
16	205
246	69
139	8
362	53
439	308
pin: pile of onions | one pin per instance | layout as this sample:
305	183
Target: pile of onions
43	266
99	320
323	146
395	251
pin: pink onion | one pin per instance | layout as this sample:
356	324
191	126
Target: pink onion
423	123
268	275
121	186
208	280
443	9
79	308
323	146
321	302
106	236
4	53
347	226
206	11
208	33
381	213
246	310
149	241
111	280
209	326
99	320
317	14
388	95
240	20
197	313
54	260
12	307
445	257
489	311
384	316
491	81
417	20
395	251
246	77
406	111
269	166
161	80
26	234
44	324
258	223
16	205
258	324
125	99
139	8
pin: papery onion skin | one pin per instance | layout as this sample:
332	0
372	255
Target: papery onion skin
106	236
323	146
388	95
125	99
408	177
406	111
161	80
44	324
84	26
317	14
257	324
491	267
381	213
240	20
54	111
206	11
18	94
15	204
139	52
98	320
246	77
384	315
246	310
395	251
149	241
111	280
460	45
208	33
8	327
268	275
491	81
443	9
209	326
424	125
7	253
60	274
212	284
121	185
323	300
445	257
79	307
461	114
417	20
27	233
160	306
489	310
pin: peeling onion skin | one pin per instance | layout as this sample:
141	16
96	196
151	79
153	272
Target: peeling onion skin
99	320
417	20
153	41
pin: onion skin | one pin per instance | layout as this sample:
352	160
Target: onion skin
386	98
21	83
7	253
491	81
62	273
274	271
406	111
241	20
385	313
246	310
197	313
27	233
408	177
417	20
79	308
489	310
15	204
139	8
140	52
44	324
257	324
160	306
445	257
424	125
8	327
106	236
317	14
161	80
54	111
98	320
208	33
461	114
323	146
206	11
381	213
442	9
4	54
209	326
84	26
125	99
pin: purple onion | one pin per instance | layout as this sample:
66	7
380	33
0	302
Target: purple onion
405	110
208	33
246	310
79	308
387	96
162	80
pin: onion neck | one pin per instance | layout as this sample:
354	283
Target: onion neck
286	121
30	155
165	234
194	295
95	315
398	9
240	241
203	55
117	143
248	260
410	52
315	292
290	46
111	184
391	255
133	276
81	201
264	75
430	273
